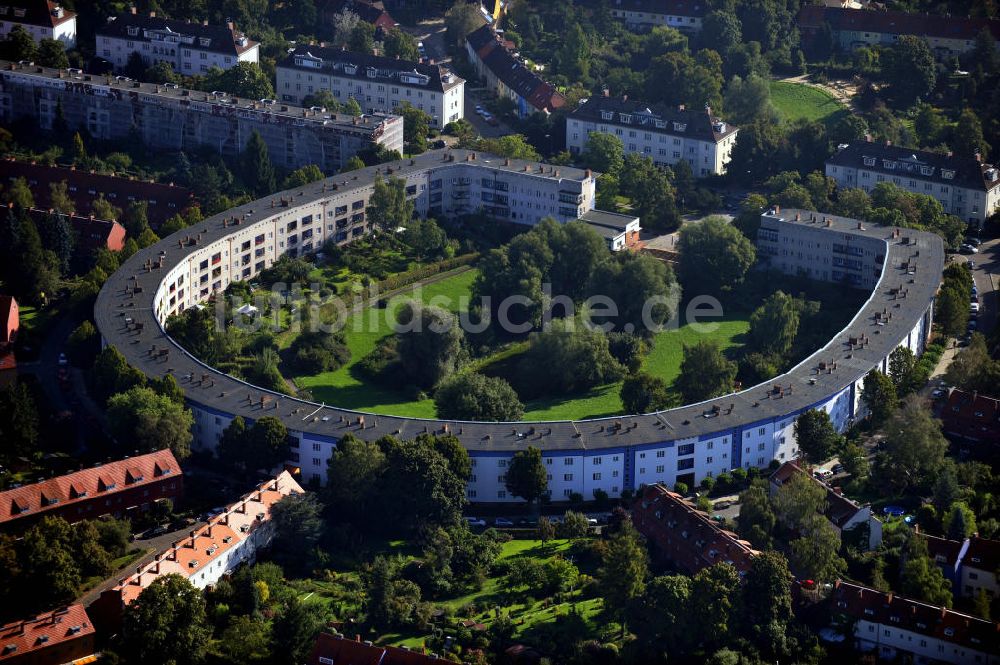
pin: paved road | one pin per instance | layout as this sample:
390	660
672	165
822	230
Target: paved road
987	277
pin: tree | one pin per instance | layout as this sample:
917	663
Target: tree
244	638
953	309
112	374
388	207
574	57
661	617
398	44
526	475
161	72
353	164
920	577
901	365
705	372
767	601
722	30
352	107
815	553
748	100
472	396
245	79
910	66
428	343
266	443
459	21
515	146
914	448
714	256
37	275
294	631
622	578
605	153
641	287
972	368
715	603
141	419
166	624
756	521
816	436
19	422
946	490
774	324
879	395
135	66
567	358
19	194
362	38
643	393
256	167
960	522
855	460
652	195
52	53
354	474
428	476
546	529
426	238
798	500
968	138
20	45
416	127
302	176
298	527
83	344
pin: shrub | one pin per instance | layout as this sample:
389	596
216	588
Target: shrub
681	488
316	352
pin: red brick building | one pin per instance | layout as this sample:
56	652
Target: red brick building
108	489
58	637
972	417
84	187
684	536
334	650
91	233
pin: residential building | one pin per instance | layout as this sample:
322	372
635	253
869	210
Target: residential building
164	200
981	568
94	233
966	186
117	488
508	76
168	117
845	515
8	369
665	134
63	636
971	417
619	231
379	85
10	320
852	29
644	15
209	552
338	650
947	555
191	49
42	19
686	537
370	11
890	627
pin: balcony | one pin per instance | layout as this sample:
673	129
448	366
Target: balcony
570	197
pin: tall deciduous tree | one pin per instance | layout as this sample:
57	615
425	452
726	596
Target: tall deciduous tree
920	577
166	624
767	601
429	343
623	572
643	393
798	500
757	519
142	419
879	395
526	475
388	207
816	551
255	163
18	423
774	324
914	448
604	153
472	396
714	256
911	68
298	527
705	372
460	20
294	630
816	436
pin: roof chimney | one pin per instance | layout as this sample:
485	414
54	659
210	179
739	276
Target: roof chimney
152	14
132	10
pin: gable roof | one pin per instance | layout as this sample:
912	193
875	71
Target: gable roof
907	614
677	120
43	13
527	84
839	509
10	320
352	64
44	631
983	554
943	551
965	171
335	650
971	415
896	23
222	39
91	233
83	485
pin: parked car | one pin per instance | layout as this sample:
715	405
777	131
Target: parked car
939	393
837	468
974	308
974	241
722	505
475	521
63	361
968	249
502	522
479	109
971	264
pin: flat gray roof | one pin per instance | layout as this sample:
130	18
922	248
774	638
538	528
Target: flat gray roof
805	384
607	224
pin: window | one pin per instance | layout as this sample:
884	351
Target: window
661	453
686	449
597	461
501	494
684	464
568	461
597	476
567	477
659	469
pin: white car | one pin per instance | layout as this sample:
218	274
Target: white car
479	109
974	308
475	521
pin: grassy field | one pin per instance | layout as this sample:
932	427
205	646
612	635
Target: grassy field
346	388
800	101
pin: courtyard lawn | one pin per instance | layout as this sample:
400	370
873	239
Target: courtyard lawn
346	388
801	101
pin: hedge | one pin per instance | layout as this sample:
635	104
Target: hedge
423	272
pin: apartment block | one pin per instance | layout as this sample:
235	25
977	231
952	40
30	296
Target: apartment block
666	135
644	15
209	553
117	488
686	537
852	29
42	19
890	627
966	186
63	636
508	76
379	85
168	117
190	48
90	233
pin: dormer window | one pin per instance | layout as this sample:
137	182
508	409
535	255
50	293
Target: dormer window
625	118
350	69
661	124
133	478
680	126
17	509
607	115
19	12
204	41
926	170
371	72
889	164
947	174
869	161
77	494
133	31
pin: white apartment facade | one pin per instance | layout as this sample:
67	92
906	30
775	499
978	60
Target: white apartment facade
667	136
42	19
379	85
191	49
965	186
644	15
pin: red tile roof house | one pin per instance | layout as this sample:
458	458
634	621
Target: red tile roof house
981	568
684	536
115	488
337	650
947	555
370	11
891	626
91	233
972	417
841	512
84	187
57	637
209	553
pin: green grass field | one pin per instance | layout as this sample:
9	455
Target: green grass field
797	101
